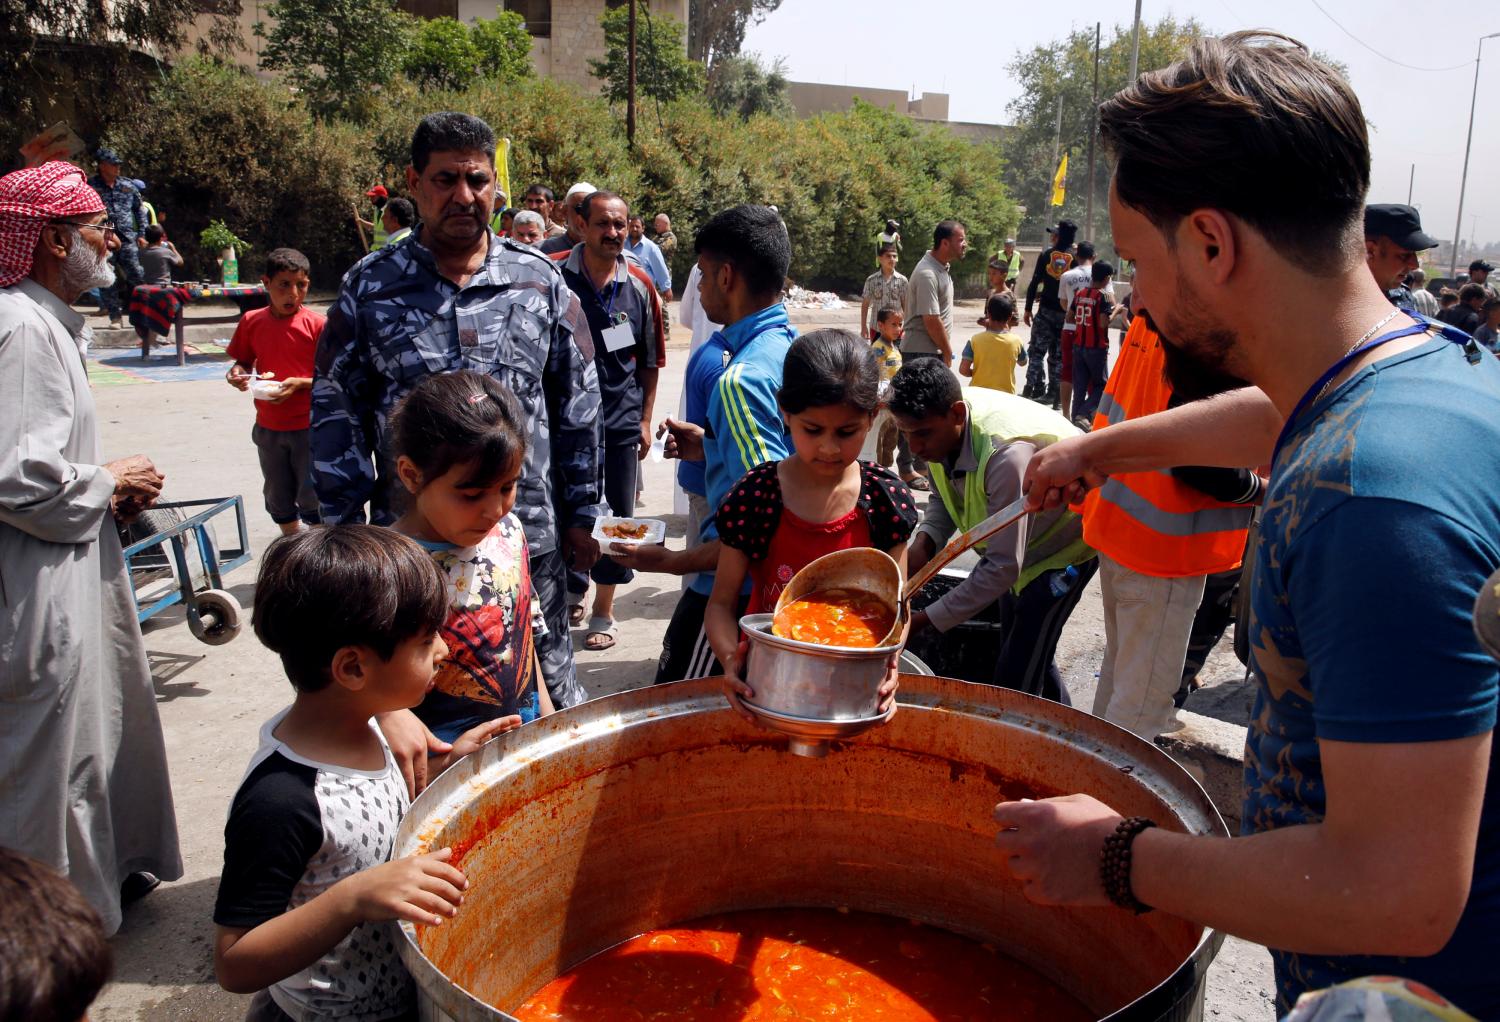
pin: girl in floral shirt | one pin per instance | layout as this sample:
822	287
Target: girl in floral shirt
459	443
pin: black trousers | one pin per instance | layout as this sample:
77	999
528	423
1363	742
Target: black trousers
1033	621
685	652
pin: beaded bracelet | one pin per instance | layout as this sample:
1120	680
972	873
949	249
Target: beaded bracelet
1114	863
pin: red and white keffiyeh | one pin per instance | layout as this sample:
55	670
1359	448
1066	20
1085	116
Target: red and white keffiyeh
31	197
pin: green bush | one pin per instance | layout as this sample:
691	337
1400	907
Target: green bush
222	145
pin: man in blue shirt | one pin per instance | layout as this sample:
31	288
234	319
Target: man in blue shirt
649	254
1372	800
743	255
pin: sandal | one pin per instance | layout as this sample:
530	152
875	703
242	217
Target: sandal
575	614
917	482
601	628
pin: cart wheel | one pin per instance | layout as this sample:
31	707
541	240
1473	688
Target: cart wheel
217	620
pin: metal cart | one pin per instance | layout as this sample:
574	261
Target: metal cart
156	551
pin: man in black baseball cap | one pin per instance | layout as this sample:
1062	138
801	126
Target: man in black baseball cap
1393	237
1479	273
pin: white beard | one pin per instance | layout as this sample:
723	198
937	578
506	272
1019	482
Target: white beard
84	268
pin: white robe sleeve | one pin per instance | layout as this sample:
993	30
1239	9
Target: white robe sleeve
42	493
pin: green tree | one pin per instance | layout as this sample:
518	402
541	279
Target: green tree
336	53
716	28
743	85
1061	73
221	145
504	46
441	55
47	78
662	69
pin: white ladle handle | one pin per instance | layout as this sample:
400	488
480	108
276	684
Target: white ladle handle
1006	516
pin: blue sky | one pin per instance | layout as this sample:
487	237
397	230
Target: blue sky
962	47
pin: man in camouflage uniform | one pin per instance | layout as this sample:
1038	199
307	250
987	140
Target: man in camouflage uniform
458	297
128	217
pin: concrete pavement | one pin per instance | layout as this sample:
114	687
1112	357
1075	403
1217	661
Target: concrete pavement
214	699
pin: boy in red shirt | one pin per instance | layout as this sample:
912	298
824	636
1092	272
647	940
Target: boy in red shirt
1091	314
279	344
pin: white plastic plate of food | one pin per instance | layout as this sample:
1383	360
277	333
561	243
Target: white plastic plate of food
629	530
263	389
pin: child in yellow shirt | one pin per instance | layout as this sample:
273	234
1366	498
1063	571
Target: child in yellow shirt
889	326
990	358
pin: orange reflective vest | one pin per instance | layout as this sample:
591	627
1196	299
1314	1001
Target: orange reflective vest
1148	521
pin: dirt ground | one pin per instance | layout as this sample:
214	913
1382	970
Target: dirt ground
214	699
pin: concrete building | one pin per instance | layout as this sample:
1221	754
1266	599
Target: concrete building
809	99
565	34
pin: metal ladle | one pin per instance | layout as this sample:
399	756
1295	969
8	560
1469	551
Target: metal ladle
874	572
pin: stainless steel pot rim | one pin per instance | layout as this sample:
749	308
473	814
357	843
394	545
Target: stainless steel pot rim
815	727
757	628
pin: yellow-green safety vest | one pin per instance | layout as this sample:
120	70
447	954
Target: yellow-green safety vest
995	420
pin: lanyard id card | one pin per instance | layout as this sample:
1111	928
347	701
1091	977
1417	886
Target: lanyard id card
619	334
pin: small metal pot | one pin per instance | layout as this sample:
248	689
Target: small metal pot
812	681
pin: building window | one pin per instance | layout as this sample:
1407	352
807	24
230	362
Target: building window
536	13
429	8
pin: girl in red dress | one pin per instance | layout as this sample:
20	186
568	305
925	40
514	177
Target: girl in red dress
783	515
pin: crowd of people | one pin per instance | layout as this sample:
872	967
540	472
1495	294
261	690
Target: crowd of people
484	388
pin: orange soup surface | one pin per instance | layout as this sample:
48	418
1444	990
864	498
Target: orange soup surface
780	964
836	617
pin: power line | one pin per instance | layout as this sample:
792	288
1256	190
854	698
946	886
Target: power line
1382	56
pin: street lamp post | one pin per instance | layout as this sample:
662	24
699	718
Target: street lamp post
1464	181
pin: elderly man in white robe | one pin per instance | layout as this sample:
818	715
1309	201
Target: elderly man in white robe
83	766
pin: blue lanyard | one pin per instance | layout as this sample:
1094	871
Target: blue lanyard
614	288
1316	389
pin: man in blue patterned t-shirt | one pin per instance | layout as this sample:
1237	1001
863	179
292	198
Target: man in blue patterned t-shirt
1371	812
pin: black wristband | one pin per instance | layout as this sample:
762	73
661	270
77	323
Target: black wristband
1114	863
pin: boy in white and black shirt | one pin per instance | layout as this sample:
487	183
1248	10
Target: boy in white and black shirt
309	894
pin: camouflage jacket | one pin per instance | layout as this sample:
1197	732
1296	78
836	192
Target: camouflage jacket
398	320
123	203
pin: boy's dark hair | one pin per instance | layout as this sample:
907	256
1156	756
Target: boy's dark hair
462	418
542	190
1085	251
1251	124
322	589
887	247
153	233
586	207
754	241
944	230
450	132
1469	292
1447	296
284	260
924	387
1490	303
887	312
1102	272
999	310
829	367
402	211
54	958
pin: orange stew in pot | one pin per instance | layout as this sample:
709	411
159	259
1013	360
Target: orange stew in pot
797	963
836	617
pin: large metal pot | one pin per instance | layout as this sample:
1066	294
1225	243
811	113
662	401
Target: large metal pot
660	805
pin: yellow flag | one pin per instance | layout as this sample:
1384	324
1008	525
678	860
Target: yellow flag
1058	180
502	170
